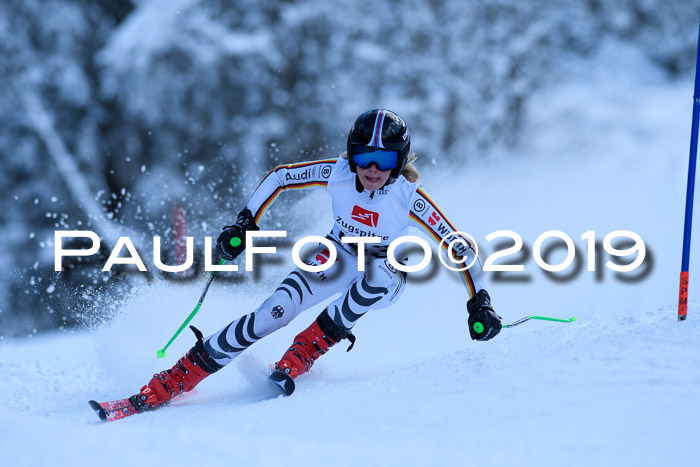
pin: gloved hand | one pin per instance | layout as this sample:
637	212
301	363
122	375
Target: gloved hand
230	250
484	323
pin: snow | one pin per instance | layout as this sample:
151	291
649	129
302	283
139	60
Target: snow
604	151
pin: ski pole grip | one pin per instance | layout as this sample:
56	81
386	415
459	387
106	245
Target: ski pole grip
478	327
235	241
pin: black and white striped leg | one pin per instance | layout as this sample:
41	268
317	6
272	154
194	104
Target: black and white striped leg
226	344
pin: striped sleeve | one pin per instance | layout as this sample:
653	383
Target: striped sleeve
426	216
289	177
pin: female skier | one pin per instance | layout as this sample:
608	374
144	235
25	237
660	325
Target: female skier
374	194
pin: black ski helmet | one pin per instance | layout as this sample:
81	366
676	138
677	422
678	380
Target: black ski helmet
381	128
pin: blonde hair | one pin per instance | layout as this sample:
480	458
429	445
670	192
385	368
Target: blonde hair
410	172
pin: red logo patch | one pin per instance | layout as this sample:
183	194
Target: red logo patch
364	216
434	218
323	256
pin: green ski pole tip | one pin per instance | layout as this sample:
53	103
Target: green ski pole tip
161	353
235	241
478	327
572	319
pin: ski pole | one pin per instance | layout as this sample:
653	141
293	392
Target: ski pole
479	326
543	318
235	241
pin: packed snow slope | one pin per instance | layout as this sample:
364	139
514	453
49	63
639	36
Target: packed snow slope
606	151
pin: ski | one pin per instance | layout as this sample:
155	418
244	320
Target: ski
114	410
282	382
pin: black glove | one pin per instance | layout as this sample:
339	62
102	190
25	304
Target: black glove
484	323
228	250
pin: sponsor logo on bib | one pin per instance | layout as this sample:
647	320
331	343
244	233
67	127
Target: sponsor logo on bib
363	216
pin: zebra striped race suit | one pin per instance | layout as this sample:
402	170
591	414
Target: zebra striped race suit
385	213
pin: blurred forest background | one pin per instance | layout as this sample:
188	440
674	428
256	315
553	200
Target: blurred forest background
114	112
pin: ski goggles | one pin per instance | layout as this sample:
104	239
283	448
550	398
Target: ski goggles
365	156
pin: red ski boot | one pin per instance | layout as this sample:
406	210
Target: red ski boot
307	347
189	371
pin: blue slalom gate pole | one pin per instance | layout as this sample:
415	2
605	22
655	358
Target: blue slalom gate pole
690	193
